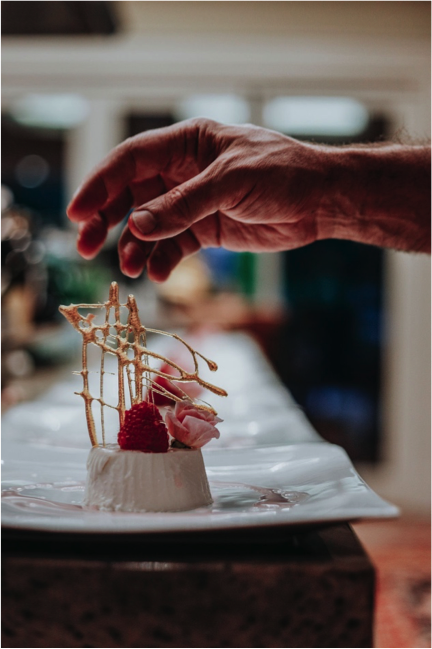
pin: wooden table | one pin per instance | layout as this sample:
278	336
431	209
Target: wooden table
277	587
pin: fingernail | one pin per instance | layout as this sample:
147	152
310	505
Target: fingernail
145	222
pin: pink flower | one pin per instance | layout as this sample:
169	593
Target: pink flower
190	425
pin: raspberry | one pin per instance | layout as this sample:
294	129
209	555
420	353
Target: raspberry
143	430
193	390
162	400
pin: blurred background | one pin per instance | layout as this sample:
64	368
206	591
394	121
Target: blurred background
345	326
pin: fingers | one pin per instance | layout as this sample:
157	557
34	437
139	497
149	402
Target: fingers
93	231
133	253
160	258
178	209
132	195
136	159
91	236
103	185
167	254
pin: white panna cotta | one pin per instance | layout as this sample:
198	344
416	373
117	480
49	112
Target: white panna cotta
134	481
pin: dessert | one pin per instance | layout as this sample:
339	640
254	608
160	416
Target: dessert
156	464
133	481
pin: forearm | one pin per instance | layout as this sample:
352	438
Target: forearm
378	195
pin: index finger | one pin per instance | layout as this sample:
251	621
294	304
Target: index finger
137	158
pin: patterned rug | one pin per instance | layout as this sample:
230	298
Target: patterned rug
401	553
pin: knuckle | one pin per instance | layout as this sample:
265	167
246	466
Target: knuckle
178	203
128	145
124	153
201	123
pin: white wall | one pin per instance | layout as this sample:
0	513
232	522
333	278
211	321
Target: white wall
378	52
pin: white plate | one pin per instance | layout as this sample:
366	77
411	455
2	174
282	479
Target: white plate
264	486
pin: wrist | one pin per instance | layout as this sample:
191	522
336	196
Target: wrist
340	207
378	195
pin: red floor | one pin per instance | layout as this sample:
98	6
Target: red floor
401	553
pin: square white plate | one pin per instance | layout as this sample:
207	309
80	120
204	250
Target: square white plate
293	485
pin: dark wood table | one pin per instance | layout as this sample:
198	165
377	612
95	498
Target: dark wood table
278	587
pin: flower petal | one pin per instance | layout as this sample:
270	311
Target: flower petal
186	407
191	425
176	428
200	432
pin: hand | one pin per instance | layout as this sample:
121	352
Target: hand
200	184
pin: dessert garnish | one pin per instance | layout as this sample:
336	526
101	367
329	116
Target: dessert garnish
191	389
191	423
191	427
144	472
143	430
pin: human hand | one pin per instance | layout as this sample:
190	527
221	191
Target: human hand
200	184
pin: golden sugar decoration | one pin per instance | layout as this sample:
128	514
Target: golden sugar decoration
142	373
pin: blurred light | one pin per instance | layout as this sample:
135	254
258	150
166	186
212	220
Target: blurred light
338	116
20	240
228	109
14	226
50	111
6	197
189	283
6	277
35	252
253	428
19	363
31	171
8	226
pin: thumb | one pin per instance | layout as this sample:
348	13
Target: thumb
175	211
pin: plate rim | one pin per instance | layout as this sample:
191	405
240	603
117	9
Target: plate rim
46	525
